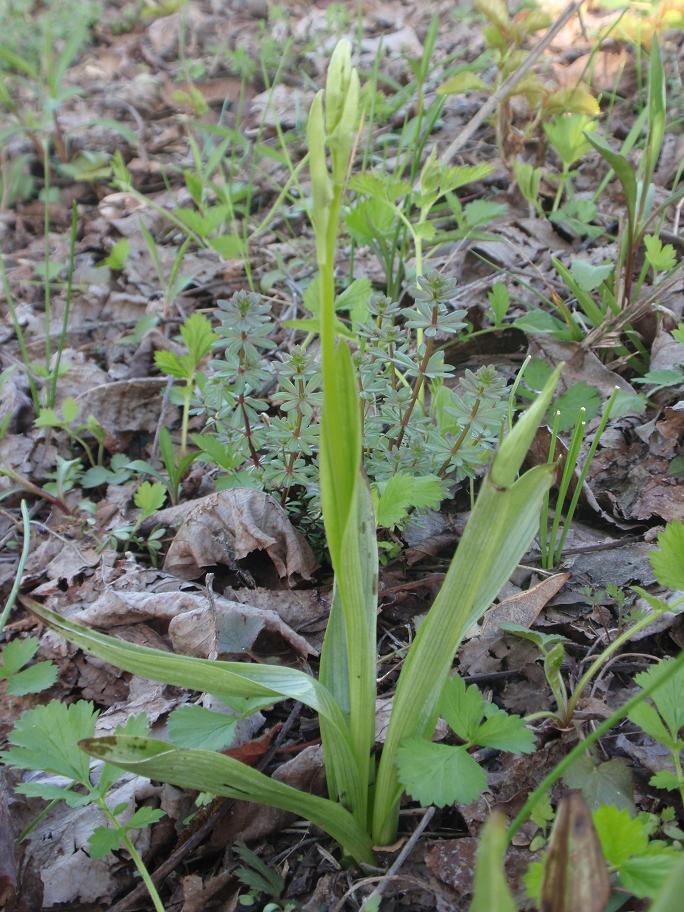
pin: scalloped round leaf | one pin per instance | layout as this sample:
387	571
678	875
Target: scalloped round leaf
439	774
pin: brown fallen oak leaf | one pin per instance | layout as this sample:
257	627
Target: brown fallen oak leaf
226	527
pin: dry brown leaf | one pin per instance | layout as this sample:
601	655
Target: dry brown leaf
227	526
524	607
222	628
581	366
126	405
452	861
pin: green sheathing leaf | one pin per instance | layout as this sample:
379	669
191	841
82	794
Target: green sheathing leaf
222	679
333	673
490	890
350	530
499	531
221	775
622	168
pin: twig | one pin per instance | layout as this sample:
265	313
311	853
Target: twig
493	101
403	855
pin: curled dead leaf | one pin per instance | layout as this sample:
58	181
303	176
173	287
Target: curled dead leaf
227	526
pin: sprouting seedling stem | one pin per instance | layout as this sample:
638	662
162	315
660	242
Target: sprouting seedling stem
603	657
514	390
585	471
568	472
544	515
23	557
52	395
670	669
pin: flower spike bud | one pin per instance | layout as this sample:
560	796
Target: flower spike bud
321	185
337	83
341	140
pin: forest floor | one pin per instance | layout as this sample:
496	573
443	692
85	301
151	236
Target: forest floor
180	510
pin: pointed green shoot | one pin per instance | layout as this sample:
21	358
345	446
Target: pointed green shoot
490	890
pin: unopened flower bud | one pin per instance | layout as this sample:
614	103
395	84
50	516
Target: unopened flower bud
337	83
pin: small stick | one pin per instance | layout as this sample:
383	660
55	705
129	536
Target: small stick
493	101
402	856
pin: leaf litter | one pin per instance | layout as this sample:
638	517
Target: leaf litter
271	590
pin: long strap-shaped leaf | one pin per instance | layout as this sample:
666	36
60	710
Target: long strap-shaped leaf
499	531
350	529
221	775
223	679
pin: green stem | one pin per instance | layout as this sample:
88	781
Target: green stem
514	390
561	184
186	416
135	856
19	333
52	395
47	288
459	440
601	659
544	515
18	576
670	669
585	471
568	472
676	760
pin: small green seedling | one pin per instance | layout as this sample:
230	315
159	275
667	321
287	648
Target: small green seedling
68	422
199	338
566	133
46	739
149	497
262	881
667	561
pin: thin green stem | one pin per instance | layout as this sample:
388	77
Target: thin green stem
585	471
670	669
568	472
52	394
601	659
19	333
135	856
36	820
544	515
562	178
18	576
676	760
47	287
514	390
